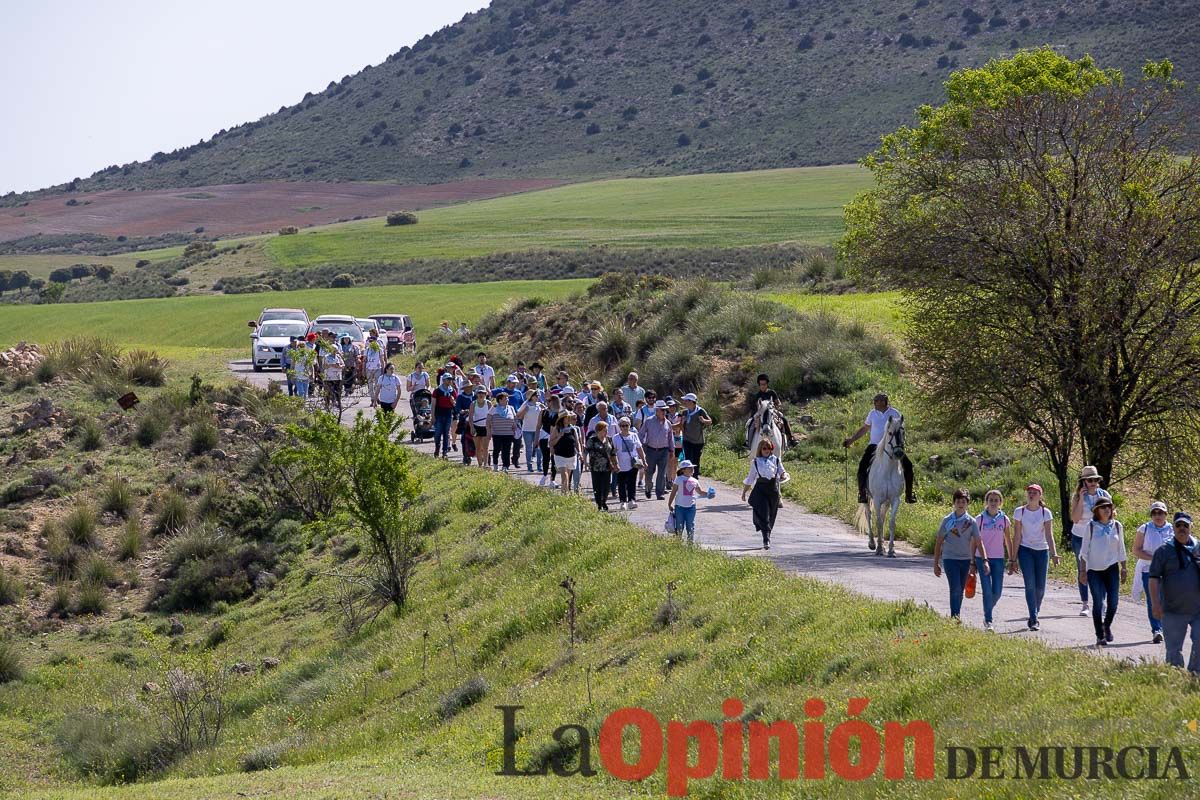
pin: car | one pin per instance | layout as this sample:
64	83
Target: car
282	313
368	325
270	339
341	325
393	325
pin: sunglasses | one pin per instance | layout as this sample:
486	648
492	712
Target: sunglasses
1182	525
1092	480
767	447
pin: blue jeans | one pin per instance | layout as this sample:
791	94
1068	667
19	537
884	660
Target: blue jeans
441	433
992	584
956	570
1175	630
685	518
656	470
302	387
532	451
1155	625
1076	544
577	475
1106	587
1034	564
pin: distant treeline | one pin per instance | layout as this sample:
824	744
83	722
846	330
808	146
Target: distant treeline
90	244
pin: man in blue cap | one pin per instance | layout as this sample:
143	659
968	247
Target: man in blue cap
1175	593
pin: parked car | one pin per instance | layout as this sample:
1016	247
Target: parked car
368	325
393	325
341	325
281	313
270	339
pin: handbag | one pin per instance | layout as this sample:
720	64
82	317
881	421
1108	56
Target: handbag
969	590
669	525
634	461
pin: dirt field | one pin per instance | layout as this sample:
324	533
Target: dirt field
238	208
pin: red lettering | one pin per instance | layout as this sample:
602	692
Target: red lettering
678	769
650	747
894	737
760	750
814	740
732	756
868	744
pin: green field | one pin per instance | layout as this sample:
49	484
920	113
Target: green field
879	310
219	321
723	210
40	266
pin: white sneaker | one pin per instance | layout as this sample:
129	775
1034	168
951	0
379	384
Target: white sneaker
632	504
622	506
1083	610
987	626
542	482
553	485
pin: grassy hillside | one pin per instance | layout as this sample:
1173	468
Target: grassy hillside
738	209
578	88
220	321
356	715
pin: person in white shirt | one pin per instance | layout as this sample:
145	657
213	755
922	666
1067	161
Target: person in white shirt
1033	540
766	475
602	415
631	392
876	423
1102	566
389	389
529	417
417	379
374	360
485	371
630	458
1149	537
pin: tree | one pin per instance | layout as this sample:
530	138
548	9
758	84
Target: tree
81	271
5	280
60	275
1045	235
52	293
104	272
371	476
19	280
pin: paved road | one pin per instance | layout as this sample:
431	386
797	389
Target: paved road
825	548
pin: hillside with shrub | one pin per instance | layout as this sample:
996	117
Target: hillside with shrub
579	88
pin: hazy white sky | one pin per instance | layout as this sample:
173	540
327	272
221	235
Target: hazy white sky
88	83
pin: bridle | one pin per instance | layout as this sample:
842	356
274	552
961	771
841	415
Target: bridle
894	446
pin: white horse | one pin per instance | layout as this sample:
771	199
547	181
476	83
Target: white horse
764	424
885	484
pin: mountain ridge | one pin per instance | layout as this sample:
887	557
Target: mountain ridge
575	89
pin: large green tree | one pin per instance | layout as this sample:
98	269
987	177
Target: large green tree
1044	227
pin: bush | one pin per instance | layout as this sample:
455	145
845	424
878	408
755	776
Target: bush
402	218
476	499
674	367
90	434
129	542
217	634
11	588
62	554
202	437
80	526
117	497
144	368
10	663
683	141
97	569
343	280
204	572
45	371
266	757
462	697
83	356
611	344
60	601
172	514
112	748
91	598
288	230
150	429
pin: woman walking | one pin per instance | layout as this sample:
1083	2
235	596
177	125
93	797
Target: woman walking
530	419
766	475
1033	541
1082	502
956	547
1149	537
602	461
547	422
995	538
480	410
1102	566
388	389
564	442
502	430
630	458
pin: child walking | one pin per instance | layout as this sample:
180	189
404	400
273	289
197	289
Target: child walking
682	500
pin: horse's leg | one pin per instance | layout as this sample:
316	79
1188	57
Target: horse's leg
870	525
892	529
880	516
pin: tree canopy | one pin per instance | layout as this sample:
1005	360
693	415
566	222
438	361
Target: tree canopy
1045	232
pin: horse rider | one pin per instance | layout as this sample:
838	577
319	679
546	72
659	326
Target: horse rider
876	422
765	392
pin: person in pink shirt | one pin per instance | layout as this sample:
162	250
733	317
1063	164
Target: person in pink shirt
995	534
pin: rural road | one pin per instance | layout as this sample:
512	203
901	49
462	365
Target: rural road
828	549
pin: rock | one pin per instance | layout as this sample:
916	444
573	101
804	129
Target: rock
935	462
29	491
218	454
15	547
269	664
807	421
246	425
228	433
241	668
176	626
35	452
89	467
21	359
108	519
41	413
16	459
971	451
150	687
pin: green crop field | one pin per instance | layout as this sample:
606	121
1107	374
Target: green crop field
744	208
40	266
219	321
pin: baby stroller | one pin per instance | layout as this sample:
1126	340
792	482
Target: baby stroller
421	405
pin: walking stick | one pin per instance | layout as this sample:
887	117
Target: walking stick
845	474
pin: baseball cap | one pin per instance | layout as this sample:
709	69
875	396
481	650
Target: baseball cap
690	396
568	389
1158	505
511	379
1034	487
685	464
1183	516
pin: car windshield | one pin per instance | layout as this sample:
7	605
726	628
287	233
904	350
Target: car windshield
368	324
341	329
277	315
282	329
391	323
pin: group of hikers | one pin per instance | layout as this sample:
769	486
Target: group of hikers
321	361
636	446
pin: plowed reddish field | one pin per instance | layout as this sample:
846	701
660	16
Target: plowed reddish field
238	208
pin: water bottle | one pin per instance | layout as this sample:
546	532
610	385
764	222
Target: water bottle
711	493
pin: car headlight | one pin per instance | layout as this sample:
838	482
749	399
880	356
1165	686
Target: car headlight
264	349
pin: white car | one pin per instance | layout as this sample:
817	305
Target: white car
269	340
368	325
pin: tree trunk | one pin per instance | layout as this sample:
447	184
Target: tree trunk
1063	478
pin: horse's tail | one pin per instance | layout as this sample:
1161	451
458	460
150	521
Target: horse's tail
861	521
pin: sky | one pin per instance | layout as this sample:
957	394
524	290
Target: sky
89	83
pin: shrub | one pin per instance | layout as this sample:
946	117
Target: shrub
97	569
202	437
129	542
806	42
144	368
91	598
288	230
342	280
90	434
476	499
60	601
683	141
11	588
217	634
462	697
117	497
678	89
674	366
82	356
112	748
10	663
45	371
266	757
80	526
150	429
611	344
60	551
172	514
402	218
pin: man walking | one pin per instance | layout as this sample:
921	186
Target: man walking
695	421
876	423
1175	593
486	373
658	440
